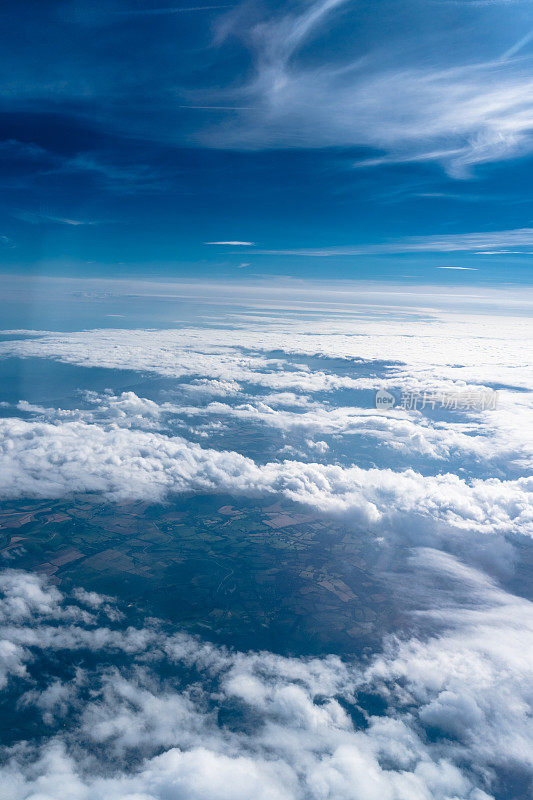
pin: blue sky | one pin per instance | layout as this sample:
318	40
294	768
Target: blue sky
385	140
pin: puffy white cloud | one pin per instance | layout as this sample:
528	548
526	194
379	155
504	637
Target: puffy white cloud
140	735
46	460
487	436
25	596
127	410
493	439
12	658
319	447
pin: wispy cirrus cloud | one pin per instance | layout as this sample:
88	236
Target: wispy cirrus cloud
315	76
111	171
157	12
460	114
42	217
480	242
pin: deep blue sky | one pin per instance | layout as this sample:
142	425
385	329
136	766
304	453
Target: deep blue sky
343	139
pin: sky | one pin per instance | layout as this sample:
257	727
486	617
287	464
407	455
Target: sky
333	139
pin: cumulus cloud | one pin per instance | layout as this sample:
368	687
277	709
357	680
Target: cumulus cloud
46	460
214	365
225	724
444	676
125	445
486	436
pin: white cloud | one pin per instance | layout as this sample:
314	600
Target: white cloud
133	12
137	734
489	436
477	242
234	243
436	348
413	106
319	447
40	217
464	670
448	352
47	460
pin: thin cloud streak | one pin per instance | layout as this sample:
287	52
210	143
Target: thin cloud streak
461	242
523	42
152	12
39	218
234	244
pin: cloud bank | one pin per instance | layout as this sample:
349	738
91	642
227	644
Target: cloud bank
46	460
224	724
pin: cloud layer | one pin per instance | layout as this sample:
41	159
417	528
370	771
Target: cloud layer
46	460
226	724
130	707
